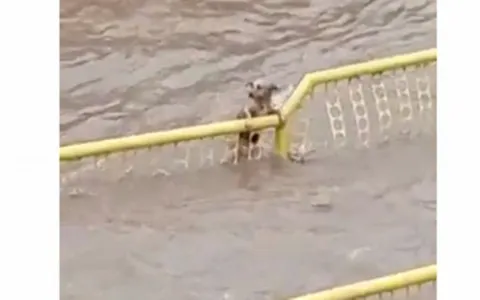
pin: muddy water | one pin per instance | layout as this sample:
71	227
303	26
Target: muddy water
265	230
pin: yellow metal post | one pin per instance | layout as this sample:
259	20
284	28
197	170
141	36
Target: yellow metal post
282	140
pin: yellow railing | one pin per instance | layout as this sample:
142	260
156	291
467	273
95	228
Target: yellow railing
282	141
377	286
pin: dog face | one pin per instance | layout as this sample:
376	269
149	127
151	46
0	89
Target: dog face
260	90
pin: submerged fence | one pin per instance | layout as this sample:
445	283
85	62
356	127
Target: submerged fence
412	283
356	105
354	76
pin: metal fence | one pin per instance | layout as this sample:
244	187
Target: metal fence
357	105
399	70
414	284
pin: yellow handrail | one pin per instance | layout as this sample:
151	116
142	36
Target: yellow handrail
313	79
146	140
351	71
282	144
376	286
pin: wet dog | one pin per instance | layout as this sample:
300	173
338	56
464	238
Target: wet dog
261	92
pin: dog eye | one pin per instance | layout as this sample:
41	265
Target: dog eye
259	86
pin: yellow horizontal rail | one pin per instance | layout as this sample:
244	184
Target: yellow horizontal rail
347	72
103	147
146	140
376	286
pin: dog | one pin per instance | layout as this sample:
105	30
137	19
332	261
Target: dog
247	143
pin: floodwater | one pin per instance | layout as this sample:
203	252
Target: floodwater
173	223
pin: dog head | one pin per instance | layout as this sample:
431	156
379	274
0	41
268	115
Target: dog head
261	91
